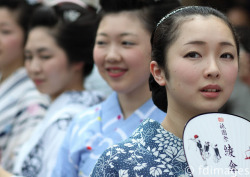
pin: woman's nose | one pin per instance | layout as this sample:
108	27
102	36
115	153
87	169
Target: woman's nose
33	66
113	54
212	69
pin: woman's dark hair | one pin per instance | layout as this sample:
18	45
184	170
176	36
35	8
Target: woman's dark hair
22	11
149	11
73	28
244	37
166	33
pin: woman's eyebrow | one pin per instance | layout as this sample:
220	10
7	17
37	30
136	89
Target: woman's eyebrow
42	49
225	43
195	42
128	34
122	34
101	34
4	24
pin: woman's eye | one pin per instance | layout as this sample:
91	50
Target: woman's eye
6	31
100	43
28	57
227	55
127	43
192	55
46	57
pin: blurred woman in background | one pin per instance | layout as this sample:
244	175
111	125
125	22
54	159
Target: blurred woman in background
22	107
58	57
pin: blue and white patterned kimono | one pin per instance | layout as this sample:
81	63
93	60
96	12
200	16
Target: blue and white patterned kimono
94	131
22	107
151	151
37	157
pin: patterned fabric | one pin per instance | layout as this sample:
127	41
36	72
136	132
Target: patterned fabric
94	131
38	155
151	151
22	107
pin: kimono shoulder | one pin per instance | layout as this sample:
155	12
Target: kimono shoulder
150	151
38	155
96	129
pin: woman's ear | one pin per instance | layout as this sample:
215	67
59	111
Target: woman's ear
78	66
157	73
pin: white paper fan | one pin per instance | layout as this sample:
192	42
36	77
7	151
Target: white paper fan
217	145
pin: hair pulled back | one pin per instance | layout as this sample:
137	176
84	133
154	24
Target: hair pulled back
149	11
73	28
165	34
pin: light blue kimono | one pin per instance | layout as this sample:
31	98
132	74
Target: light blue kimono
94	131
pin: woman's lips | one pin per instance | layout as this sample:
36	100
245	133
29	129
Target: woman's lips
38	81
116	72
211	91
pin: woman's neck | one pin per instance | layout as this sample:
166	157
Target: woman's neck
130	102
9	70
175	121
55	96
76	84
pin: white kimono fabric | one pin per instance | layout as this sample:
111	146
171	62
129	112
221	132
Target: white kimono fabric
22	107
38	155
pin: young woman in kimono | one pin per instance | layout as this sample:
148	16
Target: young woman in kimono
22	106
195	63
58	56
122	54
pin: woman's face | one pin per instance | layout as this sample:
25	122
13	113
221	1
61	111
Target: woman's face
11	40
122	52
203	66
47	63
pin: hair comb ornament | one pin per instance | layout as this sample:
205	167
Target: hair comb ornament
55	2
71	15
32	2
171	13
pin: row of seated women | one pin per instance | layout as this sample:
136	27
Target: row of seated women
58	124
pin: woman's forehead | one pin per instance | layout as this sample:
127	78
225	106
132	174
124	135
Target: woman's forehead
203	24
122	21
